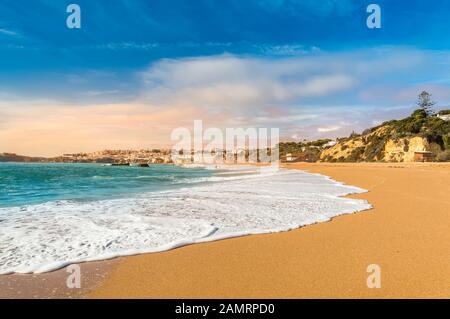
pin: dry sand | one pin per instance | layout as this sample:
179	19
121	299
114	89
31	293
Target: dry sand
407	234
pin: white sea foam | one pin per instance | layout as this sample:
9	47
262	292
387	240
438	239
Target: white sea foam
44	237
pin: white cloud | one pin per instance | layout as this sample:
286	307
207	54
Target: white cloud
323	85
99	93
115	46
292	49
8	32
240	83
328	129
236	82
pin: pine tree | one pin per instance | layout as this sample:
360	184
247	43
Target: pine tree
425	103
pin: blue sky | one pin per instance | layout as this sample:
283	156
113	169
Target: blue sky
295	62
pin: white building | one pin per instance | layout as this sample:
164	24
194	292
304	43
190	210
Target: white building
290	157
330	144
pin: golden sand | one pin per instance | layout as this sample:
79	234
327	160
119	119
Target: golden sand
407	234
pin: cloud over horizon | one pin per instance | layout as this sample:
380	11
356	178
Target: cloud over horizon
308	96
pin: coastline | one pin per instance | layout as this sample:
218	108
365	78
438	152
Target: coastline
199	206
326	259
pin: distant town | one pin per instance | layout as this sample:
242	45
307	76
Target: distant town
142	157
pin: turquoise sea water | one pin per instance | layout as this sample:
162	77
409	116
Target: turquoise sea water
34	183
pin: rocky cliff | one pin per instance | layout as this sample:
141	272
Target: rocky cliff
394	141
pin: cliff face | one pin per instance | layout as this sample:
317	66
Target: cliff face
343	151
403	149
394	141
378	148
368	147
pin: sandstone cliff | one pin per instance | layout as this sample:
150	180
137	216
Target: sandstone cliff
394	141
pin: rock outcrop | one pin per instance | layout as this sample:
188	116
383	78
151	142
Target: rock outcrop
393	141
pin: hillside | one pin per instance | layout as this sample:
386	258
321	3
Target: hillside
11	157
395	141
392	141
303	151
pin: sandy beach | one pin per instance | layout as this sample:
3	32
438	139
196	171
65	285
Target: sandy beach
406	234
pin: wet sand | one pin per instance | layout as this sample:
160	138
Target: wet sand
54	284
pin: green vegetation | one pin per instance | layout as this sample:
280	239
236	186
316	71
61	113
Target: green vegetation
425	103
374	151
430	127
443	156
300	147
446	140
419	123
290	147
303	151
318	143
422	122
354	135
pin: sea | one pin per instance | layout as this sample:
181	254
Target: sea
53	215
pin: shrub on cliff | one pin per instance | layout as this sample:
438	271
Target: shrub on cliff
374	150
356	154
443	156
446	140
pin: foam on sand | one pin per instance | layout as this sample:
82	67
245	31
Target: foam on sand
45	237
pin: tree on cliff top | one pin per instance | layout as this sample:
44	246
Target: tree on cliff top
425	103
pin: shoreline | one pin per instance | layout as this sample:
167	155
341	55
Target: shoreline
265	202
142	271
323	260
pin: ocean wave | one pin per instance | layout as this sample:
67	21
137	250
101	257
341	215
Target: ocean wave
44	237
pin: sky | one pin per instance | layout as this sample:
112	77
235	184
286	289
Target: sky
138	69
